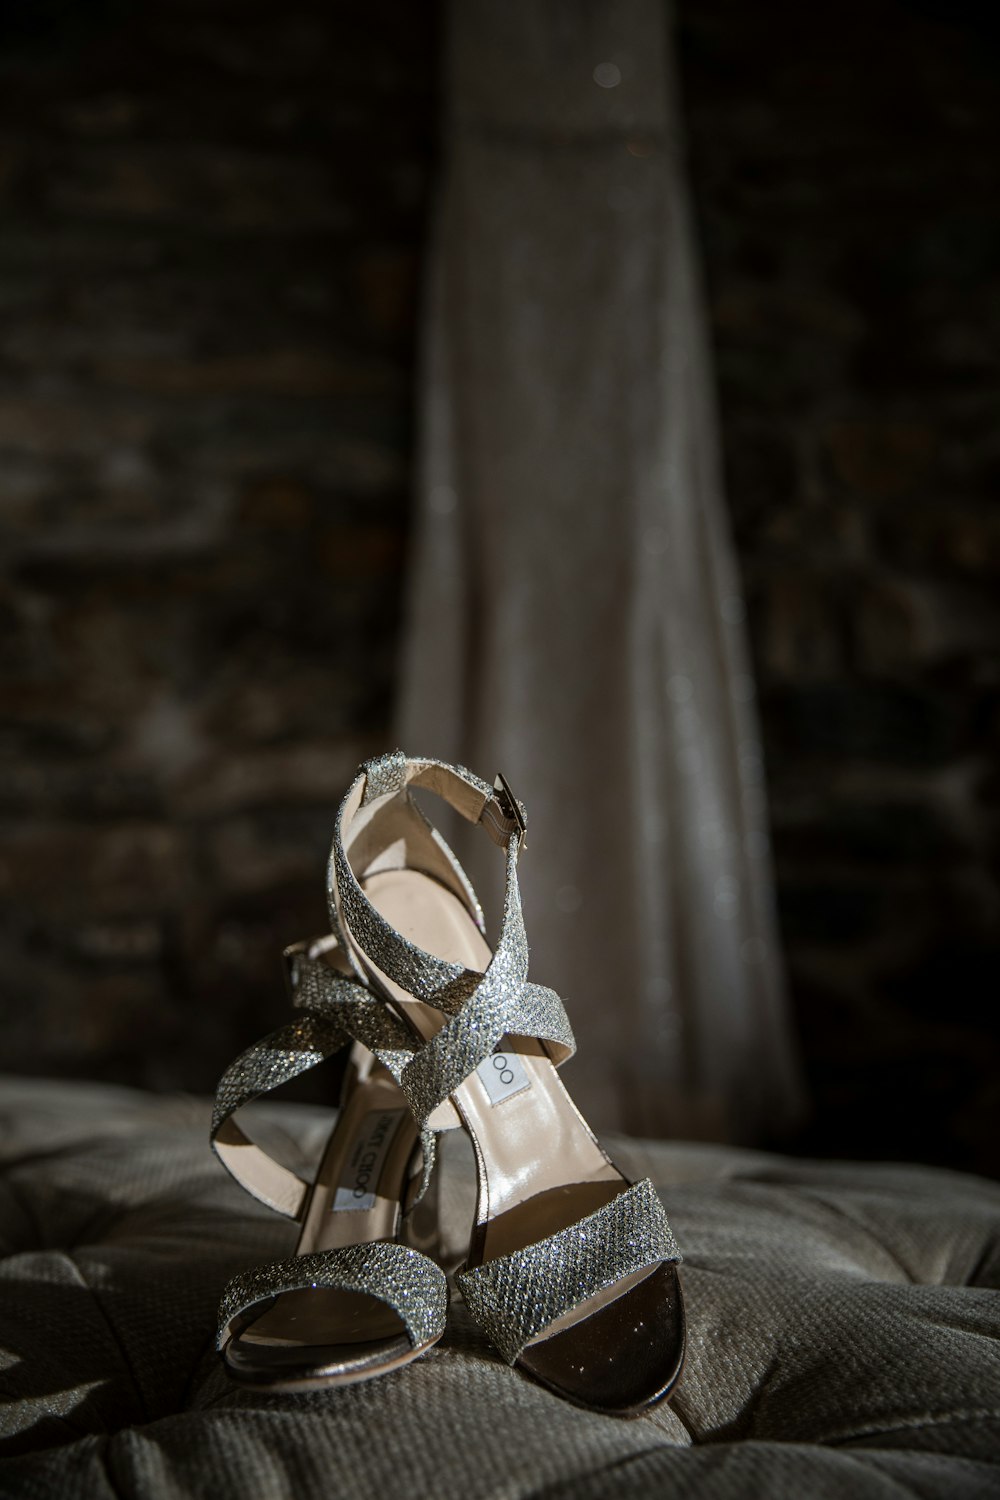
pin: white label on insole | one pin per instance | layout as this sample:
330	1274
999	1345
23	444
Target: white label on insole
363	1167
502	1075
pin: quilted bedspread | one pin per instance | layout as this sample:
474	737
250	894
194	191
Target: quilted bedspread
844	1332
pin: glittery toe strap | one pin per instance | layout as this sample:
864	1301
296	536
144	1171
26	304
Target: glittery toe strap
516	1297
401	1277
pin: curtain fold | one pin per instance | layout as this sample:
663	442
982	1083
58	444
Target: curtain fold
575	615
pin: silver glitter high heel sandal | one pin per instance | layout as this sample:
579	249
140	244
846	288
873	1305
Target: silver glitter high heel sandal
352	1302
571	1270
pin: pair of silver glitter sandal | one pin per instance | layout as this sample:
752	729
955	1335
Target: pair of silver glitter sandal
571	1271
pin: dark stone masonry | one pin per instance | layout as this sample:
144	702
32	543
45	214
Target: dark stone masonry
211	226
843	163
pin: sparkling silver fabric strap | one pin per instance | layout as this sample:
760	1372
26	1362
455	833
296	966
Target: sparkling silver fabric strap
502	1003
498	1007
516	1297
318	988
385	774
423	975
336	1011
482	1008
281	1055
408	1282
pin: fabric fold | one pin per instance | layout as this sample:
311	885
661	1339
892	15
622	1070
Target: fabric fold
575	615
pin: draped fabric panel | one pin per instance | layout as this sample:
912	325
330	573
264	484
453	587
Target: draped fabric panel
575	616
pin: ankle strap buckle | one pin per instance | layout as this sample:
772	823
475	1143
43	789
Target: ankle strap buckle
504	817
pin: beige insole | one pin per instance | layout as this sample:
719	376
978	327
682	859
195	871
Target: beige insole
539	1166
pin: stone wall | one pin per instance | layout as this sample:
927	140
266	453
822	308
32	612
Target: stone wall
843	163
211	219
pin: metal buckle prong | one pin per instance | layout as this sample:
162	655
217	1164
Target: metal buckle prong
510	807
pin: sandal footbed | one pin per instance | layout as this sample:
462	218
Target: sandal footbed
624	1357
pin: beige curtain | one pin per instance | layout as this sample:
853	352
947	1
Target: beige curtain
575	617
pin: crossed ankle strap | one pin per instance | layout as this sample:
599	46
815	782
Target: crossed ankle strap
382	828
376	817
335	1011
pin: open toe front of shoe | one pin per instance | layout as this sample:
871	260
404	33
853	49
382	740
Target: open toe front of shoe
318	1337
624	1357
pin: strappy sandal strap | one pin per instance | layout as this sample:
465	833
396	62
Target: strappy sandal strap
482	1007
405	1280
516	1297
502	1002
317	988
335	1011
320	990
364	931
277	1058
